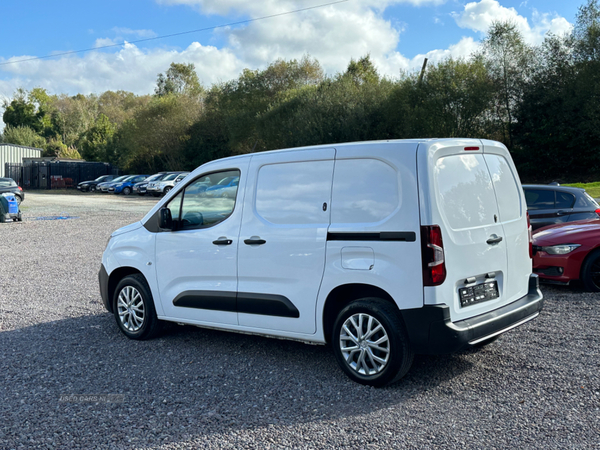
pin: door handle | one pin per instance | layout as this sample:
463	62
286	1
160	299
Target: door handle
254	240
223	241
562	213
494	239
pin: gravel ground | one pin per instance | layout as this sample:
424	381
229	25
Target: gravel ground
70	379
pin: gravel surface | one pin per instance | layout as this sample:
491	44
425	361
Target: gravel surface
70	379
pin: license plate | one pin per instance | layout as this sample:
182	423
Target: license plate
478	293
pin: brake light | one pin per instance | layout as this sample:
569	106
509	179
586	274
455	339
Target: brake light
432	250
530	236
597	212
470	149
20	188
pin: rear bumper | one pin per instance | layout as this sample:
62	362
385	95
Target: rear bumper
431	331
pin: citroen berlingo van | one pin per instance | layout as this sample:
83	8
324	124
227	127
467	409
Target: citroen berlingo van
381	249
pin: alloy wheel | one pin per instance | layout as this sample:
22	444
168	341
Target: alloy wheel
364	344
130	305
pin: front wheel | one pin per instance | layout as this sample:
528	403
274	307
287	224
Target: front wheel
133	308
126	190
370	342
590	272
167	189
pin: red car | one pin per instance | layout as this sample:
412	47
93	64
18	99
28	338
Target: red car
569	251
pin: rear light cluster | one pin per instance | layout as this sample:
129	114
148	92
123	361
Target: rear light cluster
597	212
432	249
529	230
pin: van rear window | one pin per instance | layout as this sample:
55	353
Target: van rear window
506	187
465	193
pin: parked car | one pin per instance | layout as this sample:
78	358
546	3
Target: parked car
125	187
567	252
90	185
9	185
140	188
434	257
103	187
227	187
551	203
161	187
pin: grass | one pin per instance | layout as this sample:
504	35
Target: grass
591	188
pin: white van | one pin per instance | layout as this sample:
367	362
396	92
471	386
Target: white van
382	249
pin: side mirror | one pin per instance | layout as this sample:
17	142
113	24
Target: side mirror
165	220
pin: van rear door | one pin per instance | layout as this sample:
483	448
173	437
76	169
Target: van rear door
512	214
463	202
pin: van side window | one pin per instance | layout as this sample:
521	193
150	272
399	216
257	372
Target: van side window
539	198
206	201
464	191
364	191
294	193
505	186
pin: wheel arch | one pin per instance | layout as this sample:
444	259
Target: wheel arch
113	279
342	295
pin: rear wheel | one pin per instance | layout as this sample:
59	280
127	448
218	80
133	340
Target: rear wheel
590	272
370	342
92	189
134	308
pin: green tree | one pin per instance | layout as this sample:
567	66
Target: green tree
23	135
179	79
557	130
509	61
20	112
586	33
154	139
95	141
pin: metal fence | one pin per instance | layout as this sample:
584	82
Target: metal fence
56	174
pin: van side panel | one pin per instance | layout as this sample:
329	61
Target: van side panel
374	236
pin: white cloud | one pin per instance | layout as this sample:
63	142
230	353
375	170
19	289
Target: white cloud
129	69
332	34
104	42
479	16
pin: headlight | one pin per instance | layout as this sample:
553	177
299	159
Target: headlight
561	249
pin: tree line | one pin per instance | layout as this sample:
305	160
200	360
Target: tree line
541	101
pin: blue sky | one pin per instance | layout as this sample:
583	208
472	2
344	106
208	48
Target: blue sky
397	34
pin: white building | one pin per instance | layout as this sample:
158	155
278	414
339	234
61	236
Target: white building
11	153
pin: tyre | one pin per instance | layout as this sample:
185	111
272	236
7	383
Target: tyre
126	190
590	272
92	189
370	342
18	199
167	189
134	308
